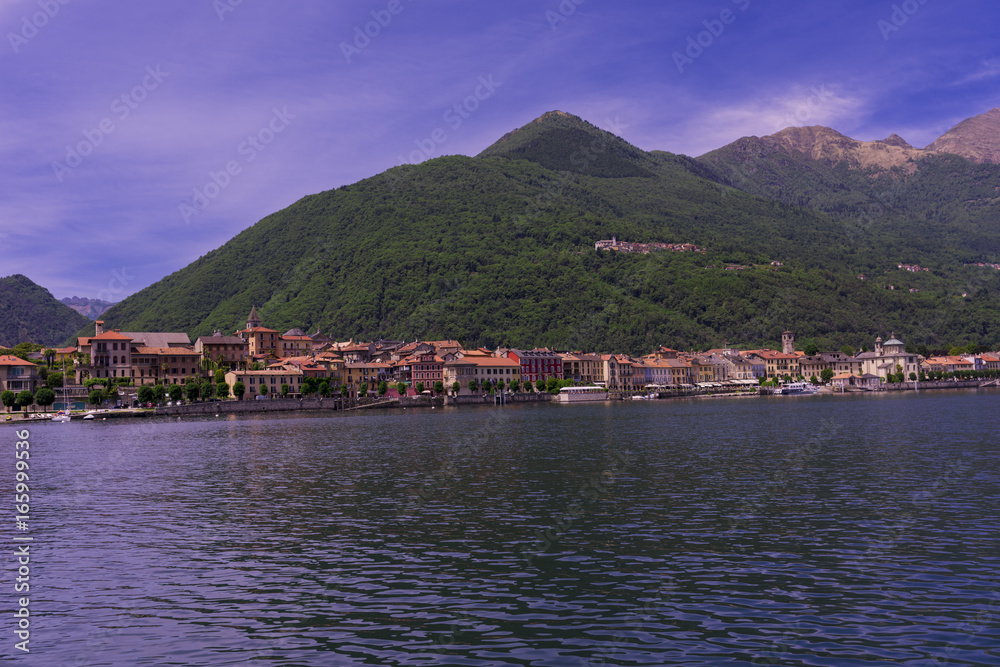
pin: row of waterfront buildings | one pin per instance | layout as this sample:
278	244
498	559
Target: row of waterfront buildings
258	356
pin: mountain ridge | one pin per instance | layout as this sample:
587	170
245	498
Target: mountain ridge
499	250
29	313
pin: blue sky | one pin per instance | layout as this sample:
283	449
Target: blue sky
136	137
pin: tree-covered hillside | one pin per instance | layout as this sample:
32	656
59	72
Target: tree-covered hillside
30	314
499	249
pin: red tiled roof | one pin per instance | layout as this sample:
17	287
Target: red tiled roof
110	335
11	360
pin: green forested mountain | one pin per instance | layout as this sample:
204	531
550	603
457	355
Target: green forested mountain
30	314
499	249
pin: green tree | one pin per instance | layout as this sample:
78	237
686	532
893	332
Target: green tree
472	385
826	375
401	388
145	394
8	398
207	390
263	389
420	387
383	387
160	393
344	391
50	356
193	391
238	390
96	397
25	398
220	376
814	380
54	380
438	387
913	377
552	386
515	385
848	350
363	389
222	390
456	387
45	397
540	385
309	385
284	390
176	392
528	387
324	389
811	349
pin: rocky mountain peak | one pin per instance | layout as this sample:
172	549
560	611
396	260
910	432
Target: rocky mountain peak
976	138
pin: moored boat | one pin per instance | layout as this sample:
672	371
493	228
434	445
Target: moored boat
580	394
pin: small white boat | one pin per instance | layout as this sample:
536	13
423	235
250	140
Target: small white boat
796	388
89	416
61	416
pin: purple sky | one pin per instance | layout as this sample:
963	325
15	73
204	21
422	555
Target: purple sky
112	114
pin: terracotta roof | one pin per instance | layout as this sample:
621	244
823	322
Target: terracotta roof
11	360
110	335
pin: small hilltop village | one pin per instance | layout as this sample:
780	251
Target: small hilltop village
257	361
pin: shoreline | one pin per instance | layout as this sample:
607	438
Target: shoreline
338	405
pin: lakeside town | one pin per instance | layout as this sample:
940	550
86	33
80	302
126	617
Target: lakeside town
133	369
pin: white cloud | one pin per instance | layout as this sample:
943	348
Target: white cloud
987	70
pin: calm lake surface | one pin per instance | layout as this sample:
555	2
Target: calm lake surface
822	530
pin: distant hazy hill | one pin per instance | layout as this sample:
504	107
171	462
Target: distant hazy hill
89	308
30	314
499	249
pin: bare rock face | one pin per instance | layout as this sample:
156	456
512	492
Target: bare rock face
976	138
896	140
822	143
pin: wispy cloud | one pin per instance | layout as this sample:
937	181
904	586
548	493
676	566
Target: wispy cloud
781	63
988	69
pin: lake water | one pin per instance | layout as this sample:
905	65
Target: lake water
825	530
